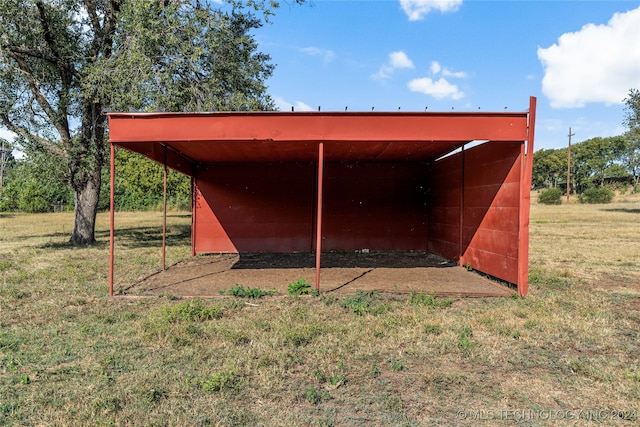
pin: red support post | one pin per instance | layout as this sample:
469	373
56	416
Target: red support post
112	171
525	202
461	235
319	214
164	211
193	215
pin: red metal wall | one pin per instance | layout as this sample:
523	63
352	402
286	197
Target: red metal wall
491	213
477	223
270	207
445	202
254	207
380	206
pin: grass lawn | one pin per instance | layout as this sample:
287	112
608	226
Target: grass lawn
565	354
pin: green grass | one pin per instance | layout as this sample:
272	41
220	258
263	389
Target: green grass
69	355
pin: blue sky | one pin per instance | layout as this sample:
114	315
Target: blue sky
579	58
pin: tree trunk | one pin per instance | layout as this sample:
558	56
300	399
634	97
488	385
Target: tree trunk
86	195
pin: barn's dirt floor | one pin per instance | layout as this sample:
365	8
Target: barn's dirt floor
341	273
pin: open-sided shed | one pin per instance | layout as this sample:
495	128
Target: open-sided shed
456	184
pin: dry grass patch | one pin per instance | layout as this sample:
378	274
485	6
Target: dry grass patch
327	360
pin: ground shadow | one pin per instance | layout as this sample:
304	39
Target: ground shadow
341	260
100	244
137	237
624	210
132	237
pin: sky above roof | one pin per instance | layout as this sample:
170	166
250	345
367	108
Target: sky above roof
579	58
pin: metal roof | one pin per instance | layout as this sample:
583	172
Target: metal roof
195	138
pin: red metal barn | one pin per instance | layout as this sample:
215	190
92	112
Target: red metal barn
455	184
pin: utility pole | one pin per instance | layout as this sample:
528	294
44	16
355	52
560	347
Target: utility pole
3	161
569	166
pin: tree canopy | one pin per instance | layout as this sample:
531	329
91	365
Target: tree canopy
63	62
631	156
595	160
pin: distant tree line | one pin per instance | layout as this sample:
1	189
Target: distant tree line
595	162
37	182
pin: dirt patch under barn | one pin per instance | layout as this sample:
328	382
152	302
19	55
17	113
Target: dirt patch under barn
342	273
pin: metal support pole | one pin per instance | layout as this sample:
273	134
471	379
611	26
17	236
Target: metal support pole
319	214
112	171
164	211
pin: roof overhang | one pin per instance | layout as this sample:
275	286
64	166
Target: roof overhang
185	140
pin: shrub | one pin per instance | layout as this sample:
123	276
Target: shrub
596	195
550	196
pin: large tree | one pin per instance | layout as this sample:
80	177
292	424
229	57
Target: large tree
596	159
549	167
62	62
631	155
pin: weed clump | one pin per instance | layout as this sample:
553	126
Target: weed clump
220	381
190	311
432	329
301	287
301	335
464	340
364	302
396	365
429	300
315	396
253	293
335	379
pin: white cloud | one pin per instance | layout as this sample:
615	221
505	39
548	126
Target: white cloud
436	68
397	60
439	89
7	135
599	63
326	54
417	9
457	74
400	60
283	105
